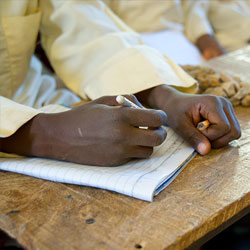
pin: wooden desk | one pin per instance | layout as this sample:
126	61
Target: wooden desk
209	195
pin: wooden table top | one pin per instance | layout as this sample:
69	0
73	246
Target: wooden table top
209	194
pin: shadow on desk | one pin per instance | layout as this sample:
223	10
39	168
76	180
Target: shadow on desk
236	237
7	243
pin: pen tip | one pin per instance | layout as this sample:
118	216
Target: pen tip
120	99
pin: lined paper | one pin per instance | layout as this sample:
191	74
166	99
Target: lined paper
142	179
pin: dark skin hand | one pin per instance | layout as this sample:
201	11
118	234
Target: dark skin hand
97	133
209	47
102	133
185	111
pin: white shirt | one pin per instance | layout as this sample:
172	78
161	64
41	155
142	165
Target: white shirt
92	50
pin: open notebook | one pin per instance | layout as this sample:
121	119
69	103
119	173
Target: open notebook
142	179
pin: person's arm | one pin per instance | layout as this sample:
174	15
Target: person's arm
95	53
209	46
199	30
97	133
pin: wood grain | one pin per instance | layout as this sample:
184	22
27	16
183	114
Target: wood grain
209	192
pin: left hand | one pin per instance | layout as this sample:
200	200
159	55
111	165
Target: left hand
185	111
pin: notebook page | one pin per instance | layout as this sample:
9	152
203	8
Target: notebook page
163	164
166	182
138	178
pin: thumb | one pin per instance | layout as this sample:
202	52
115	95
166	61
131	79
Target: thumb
195	138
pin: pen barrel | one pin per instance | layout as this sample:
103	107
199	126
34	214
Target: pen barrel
126	103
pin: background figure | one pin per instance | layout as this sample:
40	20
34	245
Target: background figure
214	26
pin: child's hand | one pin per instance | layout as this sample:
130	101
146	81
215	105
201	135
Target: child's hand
209	47
97	133
185	111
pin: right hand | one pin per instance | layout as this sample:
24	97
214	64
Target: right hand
97	133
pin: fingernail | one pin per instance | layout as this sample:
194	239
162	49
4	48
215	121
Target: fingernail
202	148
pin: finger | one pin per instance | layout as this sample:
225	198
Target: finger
147	137
219	123
144	117
234	132
194	137
140	152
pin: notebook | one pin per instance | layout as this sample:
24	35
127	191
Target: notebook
142	179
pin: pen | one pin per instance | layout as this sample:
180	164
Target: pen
203	125
125	102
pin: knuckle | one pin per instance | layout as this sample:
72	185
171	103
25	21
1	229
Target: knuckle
119	135
225	102
212	98
222	99
216	101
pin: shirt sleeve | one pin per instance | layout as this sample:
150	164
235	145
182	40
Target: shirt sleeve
13	116
196	22
96	54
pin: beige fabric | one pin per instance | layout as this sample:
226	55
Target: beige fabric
18	31
40	88
148	15
229	19
105	56
92	50
13	116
